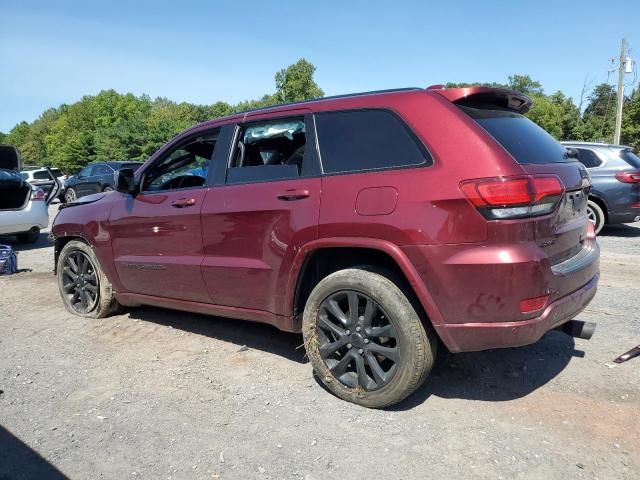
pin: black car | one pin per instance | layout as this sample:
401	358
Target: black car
94	178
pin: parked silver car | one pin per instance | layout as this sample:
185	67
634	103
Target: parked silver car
23	207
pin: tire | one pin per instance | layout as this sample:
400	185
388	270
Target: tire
596	215
394	330
70	195
100	302
29	237
107	189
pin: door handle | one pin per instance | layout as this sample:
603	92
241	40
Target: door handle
293	194
183	202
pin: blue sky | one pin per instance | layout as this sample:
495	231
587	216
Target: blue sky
204	51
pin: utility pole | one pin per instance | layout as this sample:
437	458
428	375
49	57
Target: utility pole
621	67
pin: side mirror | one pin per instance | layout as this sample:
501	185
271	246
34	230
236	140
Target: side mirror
125	183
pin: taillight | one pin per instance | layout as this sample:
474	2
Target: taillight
628	177
514	197
533	304
38	195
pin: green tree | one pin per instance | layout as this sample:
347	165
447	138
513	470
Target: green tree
525	84
295	83
598	120
630	134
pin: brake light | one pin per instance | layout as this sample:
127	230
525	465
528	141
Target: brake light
533	304
38	195
514	197
628	177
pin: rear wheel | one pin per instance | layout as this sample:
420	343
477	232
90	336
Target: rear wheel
365	340
83	286
107	189
29	237
596	215
70	195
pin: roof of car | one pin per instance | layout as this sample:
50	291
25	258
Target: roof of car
594	144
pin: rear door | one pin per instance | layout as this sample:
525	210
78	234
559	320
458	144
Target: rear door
264	208
100	174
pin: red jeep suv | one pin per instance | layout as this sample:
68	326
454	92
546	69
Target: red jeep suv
379	225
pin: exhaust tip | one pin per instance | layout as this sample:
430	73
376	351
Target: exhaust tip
579	329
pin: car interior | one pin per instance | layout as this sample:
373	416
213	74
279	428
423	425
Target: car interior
185	167
271	144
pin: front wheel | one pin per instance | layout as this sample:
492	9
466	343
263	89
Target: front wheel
365	340
83	286
107	189
595	214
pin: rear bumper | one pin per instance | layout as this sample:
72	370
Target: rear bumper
626	216
469	337
35	214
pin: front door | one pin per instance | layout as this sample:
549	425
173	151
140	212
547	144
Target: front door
157	238
266	209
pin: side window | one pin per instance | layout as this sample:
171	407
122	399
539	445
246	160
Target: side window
588	158
271	150
42	175
86	171
357	140
184	166
101	170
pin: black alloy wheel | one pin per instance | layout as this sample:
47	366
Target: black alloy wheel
80	284
357	340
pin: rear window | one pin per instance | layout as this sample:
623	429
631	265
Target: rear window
358	140
588	158
524	140
42	175
631	158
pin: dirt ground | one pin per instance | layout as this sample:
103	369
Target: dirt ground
161	394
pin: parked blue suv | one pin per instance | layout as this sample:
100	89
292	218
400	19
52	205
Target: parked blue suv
615	174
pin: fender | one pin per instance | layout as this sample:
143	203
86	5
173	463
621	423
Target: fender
385	246
92	226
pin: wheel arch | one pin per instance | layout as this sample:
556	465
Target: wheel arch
318	259
59	244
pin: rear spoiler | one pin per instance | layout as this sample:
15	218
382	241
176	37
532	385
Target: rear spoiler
485	97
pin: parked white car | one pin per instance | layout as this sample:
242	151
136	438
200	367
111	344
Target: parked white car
40	177
23	207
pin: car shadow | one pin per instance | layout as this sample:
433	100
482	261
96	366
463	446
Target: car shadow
621	230
492	375
496	375
242	333
43	241
18	460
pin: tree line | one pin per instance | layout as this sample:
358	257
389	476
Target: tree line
115	126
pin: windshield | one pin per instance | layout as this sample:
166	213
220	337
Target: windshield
524	140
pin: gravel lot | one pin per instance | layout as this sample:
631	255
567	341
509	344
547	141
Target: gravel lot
161	394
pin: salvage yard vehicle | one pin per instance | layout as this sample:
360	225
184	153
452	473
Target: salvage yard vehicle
41	178
23	207
94	178
381	225
615	177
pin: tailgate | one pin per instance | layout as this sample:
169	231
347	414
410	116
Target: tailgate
561	235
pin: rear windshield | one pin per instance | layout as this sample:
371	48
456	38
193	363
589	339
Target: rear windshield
523	139
57	172
631	158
